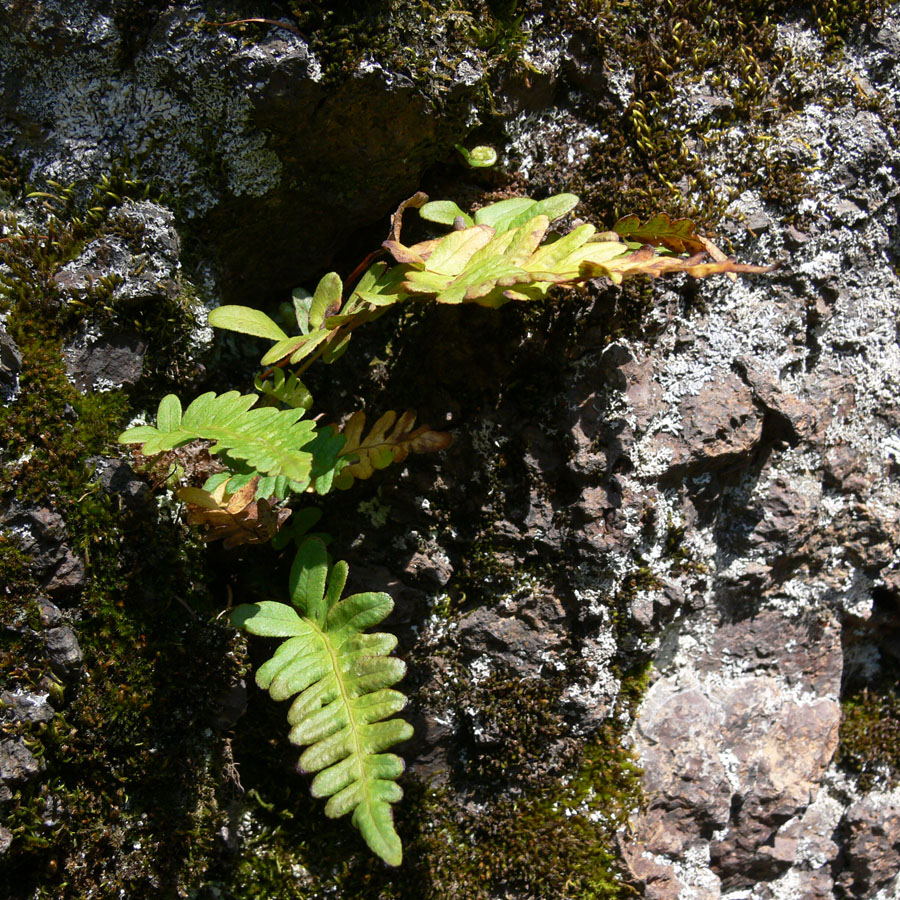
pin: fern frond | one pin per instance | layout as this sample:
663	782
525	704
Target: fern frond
390	440
267	439
490	266
343	680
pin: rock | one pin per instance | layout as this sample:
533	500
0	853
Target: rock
17	763
41	533
6	839
10	366
783	748
600	516
138	255
601	439
23	706
105	362
63	651
740	748
845	468
50	613
522	637
658	880
119	479
793	415
430	568
789	514
720	427
230	705
687	786
254	140
805	652
870	838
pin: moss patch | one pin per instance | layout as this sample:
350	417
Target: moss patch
127	802
868	738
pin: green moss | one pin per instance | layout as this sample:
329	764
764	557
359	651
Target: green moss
870	724
653	157
130	748
343	37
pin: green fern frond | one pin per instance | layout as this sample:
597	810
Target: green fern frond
343	680
267	439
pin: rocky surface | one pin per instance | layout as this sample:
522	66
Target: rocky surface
699	476
243	127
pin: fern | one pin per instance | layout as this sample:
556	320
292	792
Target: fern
343	678
267	439
503	252
390	440
340	676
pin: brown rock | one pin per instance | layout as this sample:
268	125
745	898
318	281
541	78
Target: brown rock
782	749
17	763
517	638
789	514
720	426
832	396
870	833
659	881
845	468
743	756
804	652
643	392
794	415
688	791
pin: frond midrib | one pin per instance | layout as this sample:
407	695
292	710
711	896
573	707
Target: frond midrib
345	697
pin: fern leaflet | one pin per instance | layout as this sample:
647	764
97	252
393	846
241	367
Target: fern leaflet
268	439
390	440
343	680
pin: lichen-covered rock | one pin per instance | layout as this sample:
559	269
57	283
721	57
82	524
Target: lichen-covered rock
23	706
267	156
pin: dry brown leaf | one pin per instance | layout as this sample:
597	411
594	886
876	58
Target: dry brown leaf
235	518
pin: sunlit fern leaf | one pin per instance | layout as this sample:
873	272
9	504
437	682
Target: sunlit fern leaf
390	440
479	265
267	439
343	680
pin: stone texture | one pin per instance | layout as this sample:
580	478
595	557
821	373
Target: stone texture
63	651
17	763
257	144
23	706
522	636
732	757
42	534
106	362
871	841
720	426
10	366
120	480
